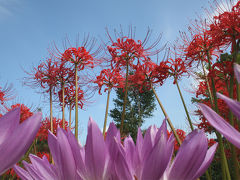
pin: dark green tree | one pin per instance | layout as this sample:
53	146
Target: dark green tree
140	105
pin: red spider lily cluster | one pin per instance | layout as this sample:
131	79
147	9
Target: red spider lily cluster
79	56
125	50
129	64
69	93
25	111
110	79
43	131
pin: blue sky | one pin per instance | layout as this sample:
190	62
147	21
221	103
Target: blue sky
28	27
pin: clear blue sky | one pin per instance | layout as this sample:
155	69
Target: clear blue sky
28	27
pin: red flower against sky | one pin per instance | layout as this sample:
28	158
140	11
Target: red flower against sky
70	96
126	50
6	94
177	68
79	56
45	75
225	29
110	79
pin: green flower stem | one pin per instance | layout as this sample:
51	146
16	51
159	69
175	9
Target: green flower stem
167	118
208	86
51	116
224	164
233	148
63	106
184	105
106	112
125	99
76	102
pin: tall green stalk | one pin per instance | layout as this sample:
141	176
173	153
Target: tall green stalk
231	89
51	116
125	99
76	102
208	86
225	168
167	118
63	106
184	105
106	112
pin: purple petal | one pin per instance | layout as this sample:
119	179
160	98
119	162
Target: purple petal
111	133
8	123
207	161
237	71
43	167
139	143
158	159
148	141
55	151
18	142
67	160
232	104
122	168
32	171
161	131
229	132
24	175
130	152
190	156
77	154
96	155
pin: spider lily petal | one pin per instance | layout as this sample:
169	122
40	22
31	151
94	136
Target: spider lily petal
16	138
228	131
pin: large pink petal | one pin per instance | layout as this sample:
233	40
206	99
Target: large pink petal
229	132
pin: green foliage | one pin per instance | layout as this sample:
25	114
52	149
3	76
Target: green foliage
140	105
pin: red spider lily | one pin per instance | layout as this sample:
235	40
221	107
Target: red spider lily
177	68
127	51
41	154
81	58
225	29
64	74
69	97
211	142
221	73
43	131
45	75
161	73
78	56
198	44
201	48
109	78
6	94
25	112
149	73
181	135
